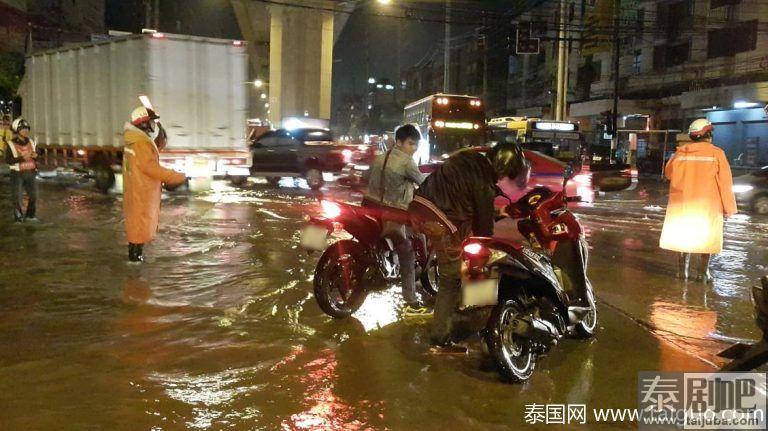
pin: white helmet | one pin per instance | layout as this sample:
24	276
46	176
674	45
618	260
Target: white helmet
19	124
700	128
142	114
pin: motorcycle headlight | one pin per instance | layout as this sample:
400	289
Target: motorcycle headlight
742	188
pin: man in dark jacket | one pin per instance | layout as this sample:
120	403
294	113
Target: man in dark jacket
454	203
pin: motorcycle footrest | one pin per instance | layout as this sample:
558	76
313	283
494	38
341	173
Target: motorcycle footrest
735	351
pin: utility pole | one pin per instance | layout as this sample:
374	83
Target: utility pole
147	14
398	78
615	116
562	67
156	10
447	53
485	67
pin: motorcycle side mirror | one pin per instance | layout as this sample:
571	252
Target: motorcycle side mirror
500	192
568	174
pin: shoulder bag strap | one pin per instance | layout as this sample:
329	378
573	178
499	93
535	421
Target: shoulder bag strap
381	177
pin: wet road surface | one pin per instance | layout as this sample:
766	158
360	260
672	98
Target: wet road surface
219	330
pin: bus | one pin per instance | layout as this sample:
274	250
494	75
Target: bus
559	139
447	122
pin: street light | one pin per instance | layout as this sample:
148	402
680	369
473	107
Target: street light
371	80
263	95
258	83
384	1
266	105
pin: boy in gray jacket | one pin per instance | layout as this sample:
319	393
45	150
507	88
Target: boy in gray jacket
391	181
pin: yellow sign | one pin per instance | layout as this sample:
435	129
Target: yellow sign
453	125
598	26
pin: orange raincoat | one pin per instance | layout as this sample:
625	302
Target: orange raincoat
142	184
700	194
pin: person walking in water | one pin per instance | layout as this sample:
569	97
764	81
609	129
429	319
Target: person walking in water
700	195
21	156
143	178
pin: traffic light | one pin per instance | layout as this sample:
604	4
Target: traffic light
525	44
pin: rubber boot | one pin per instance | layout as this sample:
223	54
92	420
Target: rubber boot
702	273
683	263
136	252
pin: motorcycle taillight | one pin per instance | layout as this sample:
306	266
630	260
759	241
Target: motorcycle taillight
330	209
476	257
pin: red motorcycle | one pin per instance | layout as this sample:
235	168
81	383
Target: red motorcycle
539	291
349	269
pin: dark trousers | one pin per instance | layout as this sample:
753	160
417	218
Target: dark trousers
23	182
447	246
398	233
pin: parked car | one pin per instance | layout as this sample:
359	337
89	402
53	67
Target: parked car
751	191
306	153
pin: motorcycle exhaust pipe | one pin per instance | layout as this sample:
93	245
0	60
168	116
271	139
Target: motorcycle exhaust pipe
535	329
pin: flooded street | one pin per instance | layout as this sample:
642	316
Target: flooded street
219	329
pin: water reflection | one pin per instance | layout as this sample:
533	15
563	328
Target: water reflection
220	330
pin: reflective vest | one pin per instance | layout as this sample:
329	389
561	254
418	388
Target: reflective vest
19	150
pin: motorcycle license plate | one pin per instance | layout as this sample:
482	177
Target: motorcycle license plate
314	238
479	293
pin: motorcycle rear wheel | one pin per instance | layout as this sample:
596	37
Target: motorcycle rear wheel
338	282
513	355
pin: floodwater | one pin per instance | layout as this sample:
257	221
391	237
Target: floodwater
219	329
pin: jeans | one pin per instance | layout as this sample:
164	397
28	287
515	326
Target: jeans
21	182
398	233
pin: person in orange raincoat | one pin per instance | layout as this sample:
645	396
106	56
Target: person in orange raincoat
143	178
700	195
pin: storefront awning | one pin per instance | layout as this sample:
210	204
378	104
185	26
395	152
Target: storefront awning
724	96
597	107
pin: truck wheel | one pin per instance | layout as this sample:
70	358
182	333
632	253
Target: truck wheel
760	205
238	180
314	178
105	178
273	181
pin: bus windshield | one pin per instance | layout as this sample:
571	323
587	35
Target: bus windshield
447	123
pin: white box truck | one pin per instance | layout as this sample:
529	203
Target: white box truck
78	98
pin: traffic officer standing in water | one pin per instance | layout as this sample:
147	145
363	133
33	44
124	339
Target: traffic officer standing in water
143	178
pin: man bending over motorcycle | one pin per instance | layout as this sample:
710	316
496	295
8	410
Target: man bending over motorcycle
391	181
454	203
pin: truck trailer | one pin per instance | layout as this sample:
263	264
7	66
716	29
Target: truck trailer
78	98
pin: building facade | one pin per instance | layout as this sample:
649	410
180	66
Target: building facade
679	60
687	59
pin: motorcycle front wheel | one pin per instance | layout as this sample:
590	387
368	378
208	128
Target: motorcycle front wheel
338	282
514	355
588	325
429	277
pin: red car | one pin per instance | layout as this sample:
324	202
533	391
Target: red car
548	172
545	171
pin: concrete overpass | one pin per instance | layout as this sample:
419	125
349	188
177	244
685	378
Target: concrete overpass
290	45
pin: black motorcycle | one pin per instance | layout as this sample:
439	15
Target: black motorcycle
539	292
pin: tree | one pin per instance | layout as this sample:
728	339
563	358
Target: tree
11	71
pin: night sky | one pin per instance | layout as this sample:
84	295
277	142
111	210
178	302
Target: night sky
375	38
